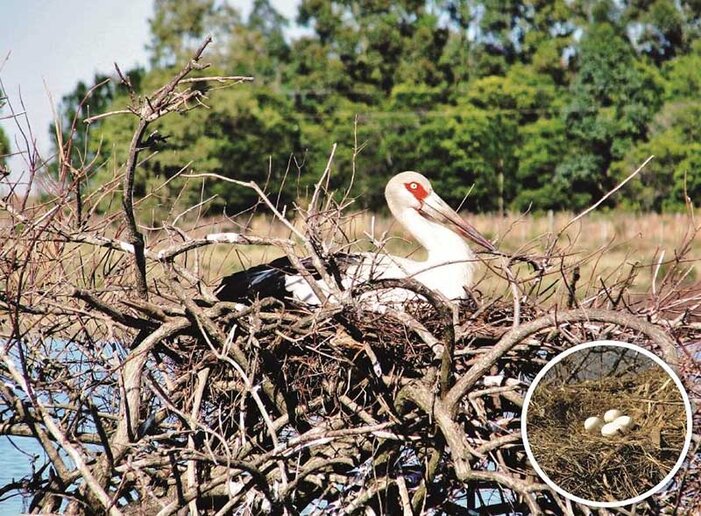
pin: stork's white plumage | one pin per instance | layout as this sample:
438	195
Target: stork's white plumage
448	268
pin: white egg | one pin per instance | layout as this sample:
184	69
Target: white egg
593	424
625	422
610	429
612	414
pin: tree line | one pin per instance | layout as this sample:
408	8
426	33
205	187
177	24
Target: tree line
518	104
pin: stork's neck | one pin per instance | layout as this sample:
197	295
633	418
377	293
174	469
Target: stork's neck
442	244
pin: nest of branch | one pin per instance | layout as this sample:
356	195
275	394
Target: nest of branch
308	355
608	469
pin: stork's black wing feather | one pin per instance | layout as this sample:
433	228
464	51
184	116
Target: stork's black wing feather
266	280
269	279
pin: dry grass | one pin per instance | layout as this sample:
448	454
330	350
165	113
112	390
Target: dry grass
608	247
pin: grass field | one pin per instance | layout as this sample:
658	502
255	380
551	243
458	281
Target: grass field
607	246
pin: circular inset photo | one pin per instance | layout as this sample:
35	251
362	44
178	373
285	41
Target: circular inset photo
606	423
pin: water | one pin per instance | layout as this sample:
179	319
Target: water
13	466
17	453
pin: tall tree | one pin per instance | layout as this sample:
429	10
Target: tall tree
675	173
379	44
258	47
178	26
563	92
674	138
662	29
613	99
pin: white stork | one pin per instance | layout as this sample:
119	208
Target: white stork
448	267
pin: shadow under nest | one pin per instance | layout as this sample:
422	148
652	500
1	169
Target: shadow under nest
616	468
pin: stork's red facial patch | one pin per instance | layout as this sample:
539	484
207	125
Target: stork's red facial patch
416	190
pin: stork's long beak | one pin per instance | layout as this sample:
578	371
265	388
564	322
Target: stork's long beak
437	209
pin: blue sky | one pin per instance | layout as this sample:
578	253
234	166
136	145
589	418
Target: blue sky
47	46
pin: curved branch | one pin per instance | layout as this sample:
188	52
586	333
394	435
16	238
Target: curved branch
518	334
460	450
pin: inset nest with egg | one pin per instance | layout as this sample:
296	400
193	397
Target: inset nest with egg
610	439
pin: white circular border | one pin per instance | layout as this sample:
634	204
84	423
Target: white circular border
615	343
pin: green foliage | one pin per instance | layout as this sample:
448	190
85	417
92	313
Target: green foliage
684	75
4	147
676	170
540	104
456	149
178	27
543	144
613	97
248	134
4	141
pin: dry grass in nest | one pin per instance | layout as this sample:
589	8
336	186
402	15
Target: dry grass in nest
600	468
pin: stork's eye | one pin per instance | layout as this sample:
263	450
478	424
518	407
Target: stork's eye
416	189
